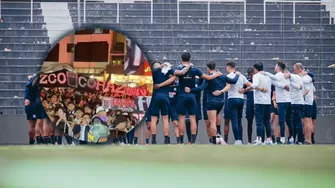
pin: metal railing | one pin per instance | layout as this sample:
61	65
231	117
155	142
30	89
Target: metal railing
209	7
293	4
82	6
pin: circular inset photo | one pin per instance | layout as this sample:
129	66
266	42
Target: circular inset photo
93	85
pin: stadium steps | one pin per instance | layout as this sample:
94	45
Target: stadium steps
12	93
21	62
13	77
4	101
12	110
193	34
239	47
23	47
19	69
25	39
19	54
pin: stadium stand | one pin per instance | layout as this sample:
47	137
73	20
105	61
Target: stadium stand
304	32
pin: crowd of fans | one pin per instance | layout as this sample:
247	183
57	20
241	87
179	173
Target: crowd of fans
74	113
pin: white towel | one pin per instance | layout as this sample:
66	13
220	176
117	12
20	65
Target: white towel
166	68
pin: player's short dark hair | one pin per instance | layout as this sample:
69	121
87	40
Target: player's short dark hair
231	64
299	65
154	62
186	56
211	65
250	70
281	65
258	66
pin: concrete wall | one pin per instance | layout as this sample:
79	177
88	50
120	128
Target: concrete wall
14	130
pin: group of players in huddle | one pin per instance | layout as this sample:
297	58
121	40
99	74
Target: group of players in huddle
284	97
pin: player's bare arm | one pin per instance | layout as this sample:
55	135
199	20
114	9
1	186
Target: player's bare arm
224	90
166	83
211	77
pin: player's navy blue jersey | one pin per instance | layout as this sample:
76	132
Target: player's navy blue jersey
188	79
159	77
250	94
198	115
200	84
32	93
173	95
218	84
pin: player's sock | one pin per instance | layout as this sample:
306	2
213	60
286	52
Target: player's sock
218	129
147	141
31	141
288	139
226	138
59	140
38	140
273	138
153	139
178	140
303	138
166	139
182	139
210	140
42	141
135	140
52	139
169	141
313	141
46	140
193	138
213	139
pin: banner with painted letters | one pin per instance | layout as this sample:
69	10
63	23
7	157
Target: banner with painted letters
83	83
139	105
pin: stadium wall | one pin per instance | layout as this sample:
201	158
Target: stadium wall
15	131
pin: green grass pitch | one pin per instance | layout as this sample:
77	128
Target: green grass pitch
165	166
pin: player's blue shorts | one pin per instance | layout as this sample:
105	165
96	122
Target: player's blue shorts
148	117
314	111
40	112
160	104
250	111
307	111
187	104
31	112
173	115
215	105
